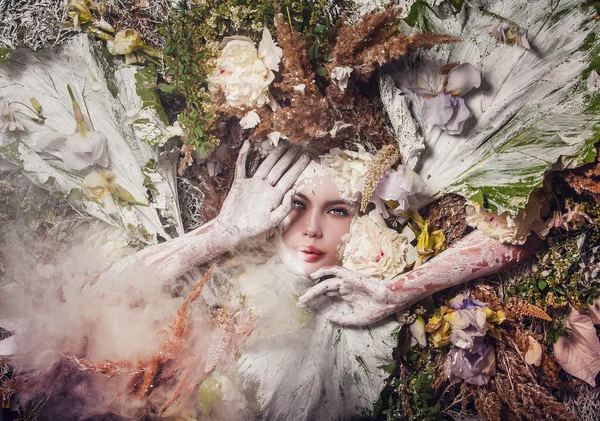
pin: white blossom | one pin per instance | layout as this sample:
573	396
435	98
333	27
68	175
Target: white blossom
10	122
250	120
376	250
348	170
341	75
80	152
243	73
99	187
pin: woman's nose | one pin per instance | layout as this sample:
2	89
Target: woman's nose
312	227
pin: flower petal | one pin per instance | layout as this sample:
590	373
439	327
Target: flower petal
269	52
463	78
579	353
250	120
438	110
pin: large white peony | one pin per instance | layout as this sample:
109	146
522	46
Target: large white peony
244	73
376	250
348	170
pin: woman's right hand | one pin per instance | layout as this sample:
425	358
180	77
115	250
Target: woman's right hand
257	204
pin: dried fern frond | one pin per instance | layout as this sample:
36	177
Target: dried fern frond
523	309
586	180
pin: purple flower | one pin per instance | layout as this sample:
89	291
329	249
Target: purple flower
447	108
464	302
475	367
497	31
398	186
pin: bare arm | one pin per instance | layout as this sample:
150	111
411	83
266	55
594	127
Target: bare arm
373	299
254	205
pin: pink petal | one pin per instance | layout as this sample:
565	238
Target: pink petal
579	353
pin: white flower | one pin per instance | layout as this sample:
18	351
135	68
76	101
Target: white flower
593	82
126	42
505	228
348	170
99	187
375	249
243	73
274	138
80	152
250	120
337	126
10	122
341	75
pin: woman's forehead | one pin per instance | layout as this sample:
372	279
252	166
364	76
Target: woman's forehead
316	181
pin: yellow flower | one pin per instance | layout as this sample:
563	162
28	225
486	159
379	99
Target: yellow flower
492	316
79	12
101	187
126	42
429	244
439	329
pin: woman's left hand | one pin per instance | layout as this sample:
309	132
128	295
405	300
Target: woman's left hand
369	297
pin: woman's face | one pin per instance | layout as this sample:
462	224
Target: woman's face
319	219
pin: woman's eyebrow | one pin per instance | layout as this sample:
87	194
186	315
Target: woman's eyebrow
337	202
301	196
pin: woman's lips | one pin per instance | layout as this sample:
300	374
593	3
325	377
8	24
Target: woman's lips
309	253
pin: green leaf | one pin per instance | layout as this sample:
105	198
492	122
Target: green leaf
413	357
168	89
321	71
388	368
319	29
542	285
311	52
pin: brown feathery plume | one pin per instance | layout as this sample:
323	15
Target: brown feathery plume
372	42
586	179
383	161
522	309
166	363
296	68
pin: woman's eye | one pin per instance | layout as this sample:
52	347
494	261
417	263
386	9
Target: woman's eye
339	212
298	204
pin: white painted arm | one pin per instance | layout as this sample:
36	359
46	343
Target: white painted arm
374	299
253	206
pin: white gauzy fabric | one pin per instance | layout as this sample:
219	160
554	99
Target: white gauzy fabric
311	371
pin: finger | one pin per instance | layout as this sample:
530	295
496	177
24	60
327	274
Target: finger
284	209
270	161
240	165
290	177
348	319
282	165
330	285
328	271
